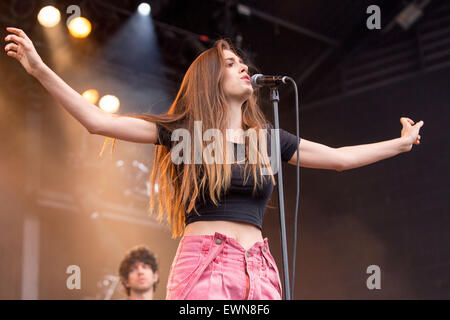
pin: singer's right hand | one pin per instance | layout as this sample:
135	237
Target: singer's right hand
22	49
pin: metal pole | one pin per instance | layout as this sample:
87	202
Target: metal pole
275	98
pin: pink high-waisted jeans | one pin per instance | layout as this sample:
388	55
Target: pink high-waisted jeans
216	267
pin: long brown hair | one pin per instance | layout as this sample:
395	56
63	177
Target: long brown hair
201	98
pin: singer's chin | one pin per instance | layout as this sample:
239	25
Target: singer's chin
248	91
244	94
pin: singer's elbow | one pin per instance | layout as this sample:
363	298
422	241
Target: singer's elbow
341	163
92	130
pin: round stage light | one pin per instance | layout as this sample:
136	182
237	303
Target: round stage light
144	9
80	27
109	103
91	95
49	16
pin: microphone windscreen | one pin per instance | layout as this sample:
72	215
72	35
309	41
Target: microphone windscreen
254	78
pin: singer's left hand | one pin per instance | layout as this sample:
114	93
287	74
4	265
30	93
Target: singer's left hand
410	132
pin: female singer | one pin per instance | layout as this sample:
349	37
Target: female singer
215	209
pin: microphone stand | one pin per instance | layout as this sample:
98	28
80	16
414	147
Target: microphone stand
275	98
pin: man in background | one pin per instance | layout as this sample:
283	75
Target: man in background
139	273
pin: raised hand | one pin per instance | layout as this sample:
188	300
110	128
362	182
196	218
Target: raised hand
410	131
22	49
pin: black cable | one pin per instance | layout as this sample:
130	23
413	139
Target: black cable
298	186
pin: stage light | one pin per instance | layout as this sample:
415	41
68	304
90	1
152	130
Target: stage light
80	27
109	103
91	95
409	15
144	9
49	16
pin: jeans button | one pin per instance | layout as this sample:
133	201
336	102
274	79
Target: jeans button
218	241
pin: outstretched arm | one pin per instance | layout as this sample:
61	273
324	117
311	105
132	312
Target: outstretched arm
361	155
95	120
319	156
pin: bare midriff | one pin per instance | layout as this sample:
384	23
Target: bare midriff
244	233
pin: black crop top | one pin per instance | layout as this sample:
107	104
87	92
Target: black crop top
238	203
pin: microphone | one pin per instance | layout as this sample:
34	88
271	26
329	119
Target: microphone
259	80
